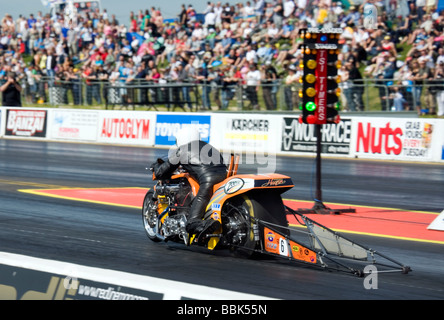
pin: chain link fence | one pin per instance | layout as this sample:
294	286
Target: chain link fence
364	95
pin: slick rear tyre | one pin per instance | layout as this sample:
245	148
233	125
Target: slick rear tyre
260	206
268	207
149	216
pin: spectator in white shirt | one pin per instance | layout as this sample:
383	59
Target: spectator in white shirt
248	9
210	19
253	78
289	8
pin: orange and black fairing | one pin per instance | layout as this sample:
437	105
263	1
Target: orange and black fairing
239	184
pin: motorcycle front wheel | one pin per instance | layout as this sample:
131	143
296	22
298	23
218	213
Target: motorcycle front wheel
149	216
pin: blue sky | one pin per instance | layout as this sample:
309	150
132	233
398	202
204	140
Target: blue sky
121	8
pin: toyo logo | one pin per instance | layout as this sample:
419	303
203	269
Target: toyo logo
168	125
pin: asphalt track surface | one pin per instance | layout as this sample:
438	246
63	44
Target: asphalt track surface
112	237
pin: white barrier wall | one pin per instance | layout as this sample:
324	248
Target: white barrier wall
405	139
245	132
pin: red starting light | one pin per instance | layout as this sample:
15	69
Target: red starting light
311	119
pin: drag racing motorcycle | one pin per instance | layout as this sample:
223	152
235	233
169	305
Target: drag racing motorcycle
238	203
254	222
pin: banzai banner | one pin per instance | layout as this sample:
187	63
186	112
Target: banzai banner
26	123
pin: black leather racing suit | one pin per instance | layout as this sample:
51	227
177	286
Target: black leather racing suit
204	163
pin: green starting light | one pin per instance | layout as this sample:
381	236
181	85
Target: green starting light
338	105
310	106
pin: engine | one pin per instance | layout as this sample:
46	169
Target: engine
174	226
179	194
177	197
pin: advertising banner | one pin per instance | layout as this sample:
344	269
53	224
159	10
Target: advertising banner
167	125
384	138
387	138
30	278
25	284
301	137
321	86
26	123
73	125
2	112
126	127
246	133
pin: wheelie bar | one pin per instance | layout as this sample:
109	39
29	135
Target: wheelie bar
322	248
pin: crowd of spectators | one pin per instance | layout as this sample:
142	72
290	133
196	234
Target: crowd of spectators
255	44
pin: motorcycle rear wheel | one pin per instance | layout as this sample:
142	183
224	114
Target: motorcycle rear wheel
264	206
149	216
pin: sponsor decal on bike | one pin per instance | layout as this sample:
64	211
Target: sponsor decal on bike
275	243
274	182
233	185
301	253
270	244
216	216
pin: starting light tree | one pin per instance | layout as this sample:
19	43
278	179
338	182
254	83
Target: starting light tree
320	91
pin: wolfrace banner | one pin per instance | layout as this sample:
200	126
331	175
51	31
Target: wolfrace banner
301	137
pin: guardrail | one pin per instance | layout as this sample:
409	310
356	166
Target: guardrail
360	95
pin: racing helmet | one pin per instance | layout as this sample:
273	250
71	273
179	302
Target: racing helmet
187	134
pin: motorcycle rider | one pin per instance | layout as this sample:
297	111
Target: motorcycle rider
204	163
